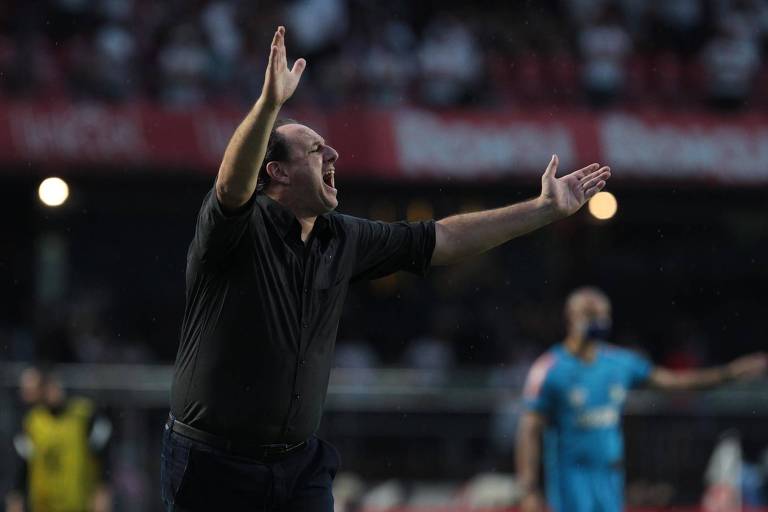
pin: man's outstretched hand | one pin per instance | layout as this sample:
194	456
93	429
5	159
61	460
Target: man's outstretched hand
748	367
279	81
567	194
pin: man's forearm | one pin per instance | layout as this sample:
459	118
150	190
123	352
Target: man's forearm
692	379
528	457
239	170
14	502
469	234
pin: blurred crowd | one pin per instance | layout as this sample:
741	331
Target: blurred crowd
598	53
474	315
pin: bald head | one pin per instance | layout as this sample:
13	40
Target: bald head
584	306
298	134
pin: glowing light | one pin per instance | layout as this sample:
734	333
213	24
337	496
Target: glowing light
53	191
603	205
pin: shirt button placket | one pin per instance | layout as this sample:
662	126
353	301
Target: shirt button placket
305	308
305	304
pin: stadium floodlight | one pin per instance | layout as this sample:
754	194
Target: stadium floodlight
53	192
603	205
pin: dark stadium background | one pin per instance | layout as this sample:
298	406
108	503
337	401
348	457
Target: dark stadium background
430	369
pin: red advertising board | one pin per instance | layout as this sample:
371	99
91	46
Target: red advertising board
400	144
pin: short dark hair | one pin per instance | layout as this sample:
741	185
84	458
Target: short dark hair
277	151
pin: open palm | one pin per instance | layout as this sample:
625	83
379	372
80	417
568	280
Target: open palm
569	193
279	81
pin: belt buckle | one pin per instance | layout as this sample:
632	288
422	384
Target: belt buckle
274	449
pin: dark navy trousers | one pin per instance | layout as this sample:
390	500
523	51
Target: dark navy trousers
195	477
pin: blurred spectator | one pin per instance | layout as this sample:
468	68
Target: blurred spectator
731	61
59	453
116	10
604	46
88	331
450	63
31	387
676	25
354	353
33	69
210	51
316	24
115	74
746	19
184	65
359	361
584	12
429	353
218	20
433	352
348	489
389	65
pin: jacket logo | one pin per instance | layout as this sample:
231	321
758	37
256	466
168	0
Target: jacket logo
577	397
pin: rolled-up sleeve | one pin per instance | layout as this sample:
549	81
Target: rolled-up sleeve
217	233
383	248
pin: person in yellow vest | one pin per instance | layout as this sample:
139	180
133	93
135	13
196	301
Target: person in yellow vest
60	452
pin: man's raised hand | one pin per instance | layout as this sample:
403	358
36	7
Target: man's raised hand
279	81
567	194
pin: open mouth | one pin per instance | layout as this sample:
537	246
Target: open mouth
328	179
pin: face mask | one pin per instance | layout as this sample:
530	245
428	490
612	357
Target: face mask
598	330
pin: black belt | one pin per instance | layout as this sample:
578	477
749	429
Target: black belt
260	452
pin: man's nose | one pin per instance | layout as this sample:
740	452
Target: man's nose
331	155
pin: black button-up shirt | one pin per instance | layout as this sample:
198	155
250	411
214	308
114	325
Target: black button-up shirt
262	312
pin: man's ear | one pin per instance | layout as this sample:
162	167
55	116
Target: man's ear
277	173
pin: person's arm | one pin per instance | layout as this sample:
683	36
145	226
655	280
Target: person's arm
14	500
469	234
539	398
745	367
239	170
99	433
102	499
528	460
99	437
387	247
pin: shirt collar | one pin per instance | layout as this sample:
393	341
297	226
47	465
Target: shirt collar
285	221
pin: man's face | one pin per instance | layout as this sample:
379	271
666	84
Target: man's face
54	392
587	308
31	386
310	169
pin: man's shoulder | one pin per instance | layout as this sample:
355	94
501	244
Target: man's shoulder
80	407
615	353
543	370
345	218
213	212
35	414
346	222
